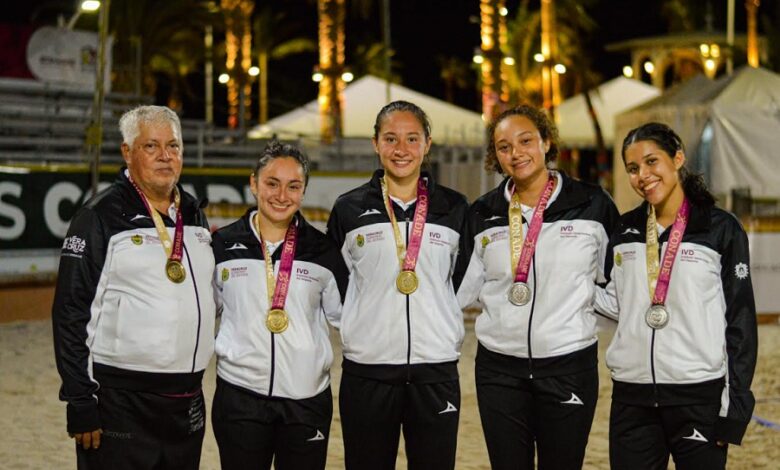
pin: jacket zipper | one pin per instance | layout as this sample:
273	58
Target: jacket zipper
197	301
273	365
652	369
408	318
652	347
530	320
273	347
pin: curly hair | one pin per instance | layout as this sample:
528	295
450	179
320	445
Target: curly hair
694	186
546	129
275	149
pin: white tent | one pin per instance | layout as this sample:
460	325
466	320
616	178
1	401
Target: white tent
363	99
575	126
730	128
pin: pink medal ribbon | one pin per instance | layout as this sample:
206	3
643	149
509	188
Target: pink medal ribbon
520	292
277	319
657	315
285	267
418	226
407	281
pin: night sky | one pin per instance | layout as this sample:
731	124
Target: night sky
422	31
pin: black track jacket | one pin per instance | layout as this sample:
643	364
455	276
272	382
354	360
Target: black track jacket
707	351
118	321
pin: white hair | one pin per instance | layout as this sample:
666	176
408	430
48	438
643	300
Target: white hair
130	122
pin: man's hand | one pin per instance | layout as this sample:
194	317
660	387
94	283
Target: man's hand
88	440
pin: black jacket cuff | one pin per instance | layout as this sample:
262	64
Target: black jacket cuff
730	430
83	418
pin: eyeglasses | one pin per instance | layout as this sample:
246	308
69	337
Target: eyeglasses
154	148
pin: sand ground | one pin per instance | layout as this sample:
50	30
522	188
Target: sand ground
32	420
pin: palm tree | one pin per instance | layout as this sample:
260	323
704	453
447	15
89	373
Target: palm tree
157	38
369	59
238	44
331	34
572	25
331	18
455	74
272	40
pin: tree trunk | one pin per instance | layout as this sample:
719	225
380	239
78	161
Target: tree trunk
331	42
602	161
262	62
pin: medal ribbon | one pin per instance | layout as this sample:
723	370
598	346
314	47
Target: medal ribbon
172	250
659	274
409	261
277	288
523	250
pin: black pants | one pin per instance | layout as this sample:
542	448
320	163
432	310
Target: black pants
642	437
552	415
145	431
252	430
373	413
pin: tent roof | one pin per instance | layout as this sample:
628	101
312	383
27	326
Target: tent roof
363	99
751	86
747	85
741	115
609	99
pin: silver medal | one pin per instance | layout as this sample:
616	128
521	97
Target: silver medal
519	293
657	317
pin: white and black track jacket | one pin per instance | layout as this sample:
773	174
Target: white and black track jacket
555	333
296	363
707	351
411	334
118	321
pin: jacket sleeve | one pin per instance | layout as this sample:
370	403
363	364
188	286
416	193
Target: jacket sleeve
336	232
605	301
218	248
461	211
741	337
469	272
335	291
610	219
81	263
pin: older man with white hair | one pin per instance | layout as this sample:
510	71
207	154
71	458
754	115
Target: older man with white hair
134	312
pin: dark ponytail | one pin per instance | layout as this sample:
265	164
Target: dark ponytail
667	140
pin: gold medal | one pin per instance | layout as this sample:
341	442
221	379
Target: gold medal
276	321
406	282
175	271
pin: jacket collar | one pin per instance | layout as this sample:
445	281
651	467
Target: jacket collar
436	205
700	218
189	205
246	221
571	195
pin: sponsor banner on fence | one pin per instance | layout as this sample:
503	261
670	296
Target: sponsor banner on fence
37	203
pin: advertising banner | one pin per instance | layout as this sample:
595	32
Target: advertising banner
67	57
37	203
